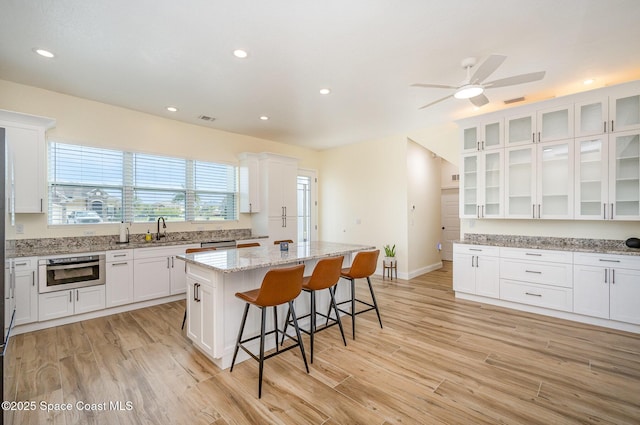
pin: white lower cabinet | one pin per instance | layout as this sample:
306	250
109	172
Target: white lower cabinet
157	273
119	277
607	286
476	270
200	323
26	291
58	304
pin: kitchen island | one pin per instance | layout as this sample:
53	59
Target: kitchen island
213	278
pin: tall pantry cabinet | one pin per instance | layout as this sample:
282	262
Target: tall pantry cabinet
277	217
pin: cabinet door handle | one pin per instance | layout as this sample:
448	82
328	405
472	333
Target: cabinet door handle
605	127
533	137
167	262
475	249
172	259
250	208
119	255
77	295
21	264
604	210
477	211
472	257
533	271
533	211
482	215
538	137
70	295
606	275
611	211
533	254
612	130
477	262
539	210
613	276
608	261
124	263
533	295
33	278
41	210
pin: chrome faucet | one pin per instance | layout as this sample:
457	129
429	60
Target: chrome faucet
164	226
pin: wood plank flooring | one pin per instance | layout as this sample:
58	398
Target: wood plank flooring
438	360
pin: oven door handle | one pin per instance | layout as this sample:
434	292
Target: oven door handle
73	266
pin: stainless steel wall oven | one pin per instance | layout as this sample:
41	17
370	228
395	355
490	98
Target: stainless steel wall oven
62	273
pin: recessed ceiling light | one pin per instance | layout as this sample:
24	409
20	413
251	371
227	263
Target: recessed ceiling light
172	109
44	53
588	81
325	91
239	53
264	118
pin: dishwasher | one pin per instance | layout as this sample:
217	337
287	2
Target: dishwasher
219	244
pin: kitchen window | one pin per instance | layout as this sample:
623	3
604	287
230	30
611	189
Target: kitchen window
90	185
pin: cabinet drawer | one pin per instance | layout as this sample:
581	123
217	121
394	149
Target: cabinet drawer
492	251
553	274
119	255
538	295
537	255
25	263
607	260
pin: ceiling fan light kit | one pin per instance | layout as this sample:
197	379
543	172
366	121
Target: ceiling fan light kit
473	88
468	91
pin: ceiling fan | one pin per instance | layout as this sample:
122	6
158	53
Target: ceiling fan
473	88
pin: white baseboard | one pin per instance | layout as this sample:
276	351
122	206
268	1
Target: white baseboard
414	273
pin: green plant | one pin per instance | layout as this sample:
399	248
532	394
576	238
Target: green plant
389	251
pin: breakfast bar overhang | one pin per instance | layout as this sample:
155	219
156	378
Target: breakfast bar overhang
214	277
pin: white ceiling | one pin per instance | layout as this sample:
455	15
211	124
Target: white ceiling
149	54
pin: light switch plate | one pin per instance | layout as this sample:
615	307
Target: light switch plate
19	228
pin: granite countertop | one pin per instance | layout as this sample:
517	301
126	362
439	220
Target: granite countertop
235	260
74	245
598	246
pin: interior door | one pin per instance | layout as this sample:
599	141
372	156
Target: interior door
450	222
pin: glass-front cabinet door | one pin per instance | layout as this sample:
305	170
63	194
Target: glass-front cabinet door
471	139
493	184
555	180
492	135
520	130
591	178
624	112
555	124
591	117
469	183
519	182
624	175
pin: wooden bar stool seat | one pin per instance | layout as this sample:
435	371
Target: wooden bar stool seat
279	286
363	266
326	275
247	245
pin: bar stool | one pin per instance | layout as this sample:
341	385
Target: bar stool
325	276
247	245
190	251
283	240
279	286
363	266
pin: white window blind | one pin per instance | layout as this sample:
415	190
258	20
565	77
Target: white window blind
94	185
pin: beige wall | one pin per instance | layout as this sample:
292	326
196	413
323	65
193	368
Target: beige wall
363	195
93	123
423	209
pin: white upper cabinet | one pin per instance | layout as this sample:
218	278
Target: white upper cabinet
592	117
624	110
25	135
624	175
591	178
620	111
484	136
539	181
482	183
249	182
541	126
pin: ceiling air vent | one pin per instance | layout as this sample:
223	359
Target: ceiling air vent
206	118
514	100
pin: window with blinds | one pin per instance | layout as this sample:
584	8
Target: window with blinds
93	185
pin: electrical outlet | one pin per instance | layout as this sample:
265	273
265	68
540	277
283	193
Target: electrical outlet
89	233
19	228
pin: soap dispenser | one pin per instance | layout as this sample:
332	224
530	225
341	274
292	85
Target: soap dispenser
147	237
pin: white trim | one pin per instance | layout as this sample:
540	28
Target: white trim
413	273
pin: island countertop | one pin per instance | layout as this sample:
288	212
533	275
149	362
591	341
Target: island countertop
240	259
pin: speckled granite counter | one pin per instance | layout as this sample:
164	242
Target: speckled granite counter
235	260
603	246
70	245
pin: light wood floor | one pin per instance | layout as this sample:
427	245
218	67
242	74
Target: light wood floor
437	360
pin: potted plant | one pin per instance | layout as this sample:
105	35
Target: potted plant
389	254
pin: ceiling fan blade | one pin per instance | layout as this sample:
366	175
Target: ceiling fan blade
434	86
479	100
487	68
516	79
437	101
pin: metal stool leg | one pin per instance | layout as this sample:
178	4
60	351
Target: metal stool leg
375	304
335	308
261	368
235	352
295	324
